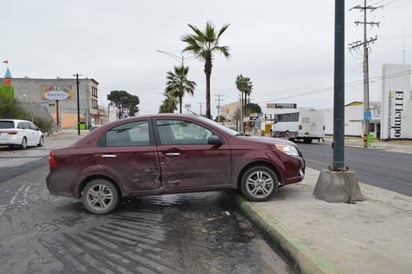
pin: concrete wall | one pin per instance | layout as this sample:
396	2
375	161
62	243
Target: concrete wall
32	91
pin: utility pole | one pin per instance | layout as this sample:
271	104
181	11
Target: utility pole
218	99
200	106
356	45
78	103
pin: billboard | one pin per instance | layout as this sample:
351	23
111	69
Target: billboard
56	92
396	118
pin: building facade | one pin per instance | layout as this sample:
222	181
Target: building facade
59	97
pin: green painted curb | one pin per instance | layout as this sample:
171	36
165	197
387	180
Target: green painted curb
303	258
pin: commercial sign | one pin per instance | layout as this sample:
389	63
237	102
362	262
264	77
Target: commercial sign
49	92
397	114
367	116
281	105
396	102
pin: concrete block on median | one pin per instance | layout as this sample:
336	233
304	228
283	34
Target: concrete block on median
338	186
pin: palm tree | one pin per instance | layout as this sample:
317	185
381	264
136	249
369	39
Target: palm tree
245	86
168	105
177	84
204	45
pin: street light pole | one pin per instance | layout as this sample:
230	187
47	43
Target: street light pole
174	56
177	58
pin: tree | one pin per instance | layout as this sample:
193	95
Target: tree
220	118
244	85
124	102
204	45
11	109
169	105
177	84
252	108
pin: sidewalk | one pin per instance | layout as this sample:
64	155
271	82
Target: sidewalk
372	236
392	145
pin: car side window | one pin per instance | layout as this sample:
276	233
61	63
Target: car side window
179	132
33	126
25	125
129	134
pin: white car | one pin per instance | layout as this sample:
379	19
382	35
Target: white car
20	133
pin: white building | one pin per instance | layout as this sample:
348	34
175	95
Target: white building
396	122
391	118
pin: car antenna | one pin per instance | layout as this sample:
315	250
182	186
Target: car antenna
194	113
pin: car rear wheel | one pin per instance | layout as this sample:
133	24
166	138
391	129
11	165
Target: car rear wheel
259	183
100	196
23	144
41	142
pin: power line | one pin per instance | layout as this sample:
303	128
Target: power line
348	84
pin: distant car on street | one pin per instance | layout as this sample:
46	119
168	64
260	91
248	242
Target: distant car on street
20	133
170	153
94	127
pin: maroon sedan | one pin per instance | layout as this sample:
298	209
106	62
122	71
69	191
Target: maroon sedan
170	153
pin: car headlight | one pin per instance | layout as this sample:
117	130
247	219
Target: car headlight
287	149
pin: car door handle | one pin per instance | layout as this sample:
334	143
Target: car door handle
109	156
172	154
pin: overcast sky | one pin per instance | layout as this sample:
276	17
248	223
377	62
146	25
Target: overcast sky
285	47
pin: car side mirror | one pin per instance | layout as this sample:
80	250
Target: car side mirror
215	140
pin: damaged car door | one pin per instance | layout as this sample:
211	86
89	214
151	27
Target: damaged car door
187	161
128	151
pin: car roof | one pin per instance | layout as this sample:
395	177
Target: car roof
154	116
15	120
90	136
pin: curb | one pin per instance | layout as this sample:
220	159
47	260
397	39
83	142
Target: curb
301	257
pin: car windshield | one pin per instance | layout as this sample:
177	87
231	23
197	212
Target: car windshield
220	126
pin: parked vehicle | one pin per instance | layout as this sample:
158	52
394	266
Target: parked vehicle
20	133
170	153
306	125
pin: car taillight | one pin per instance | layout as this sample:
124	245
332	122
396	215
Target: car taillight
52	160
12	132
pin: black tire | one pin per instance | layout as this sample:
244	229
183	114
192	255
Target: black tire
259	183
23	144
307	140
41	141
100	196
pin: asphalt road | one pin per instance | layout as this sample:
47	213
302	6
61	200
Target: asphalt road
188	233
385	169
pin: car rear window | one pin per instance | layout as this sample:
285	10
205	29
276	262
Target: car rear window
6	124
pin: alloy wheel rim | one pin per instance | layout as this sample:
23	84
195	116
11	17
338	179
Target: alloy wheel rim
259	184
99	197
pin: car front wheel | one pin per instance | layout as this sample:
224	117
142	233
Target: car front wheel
259	183
100	196
41	141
